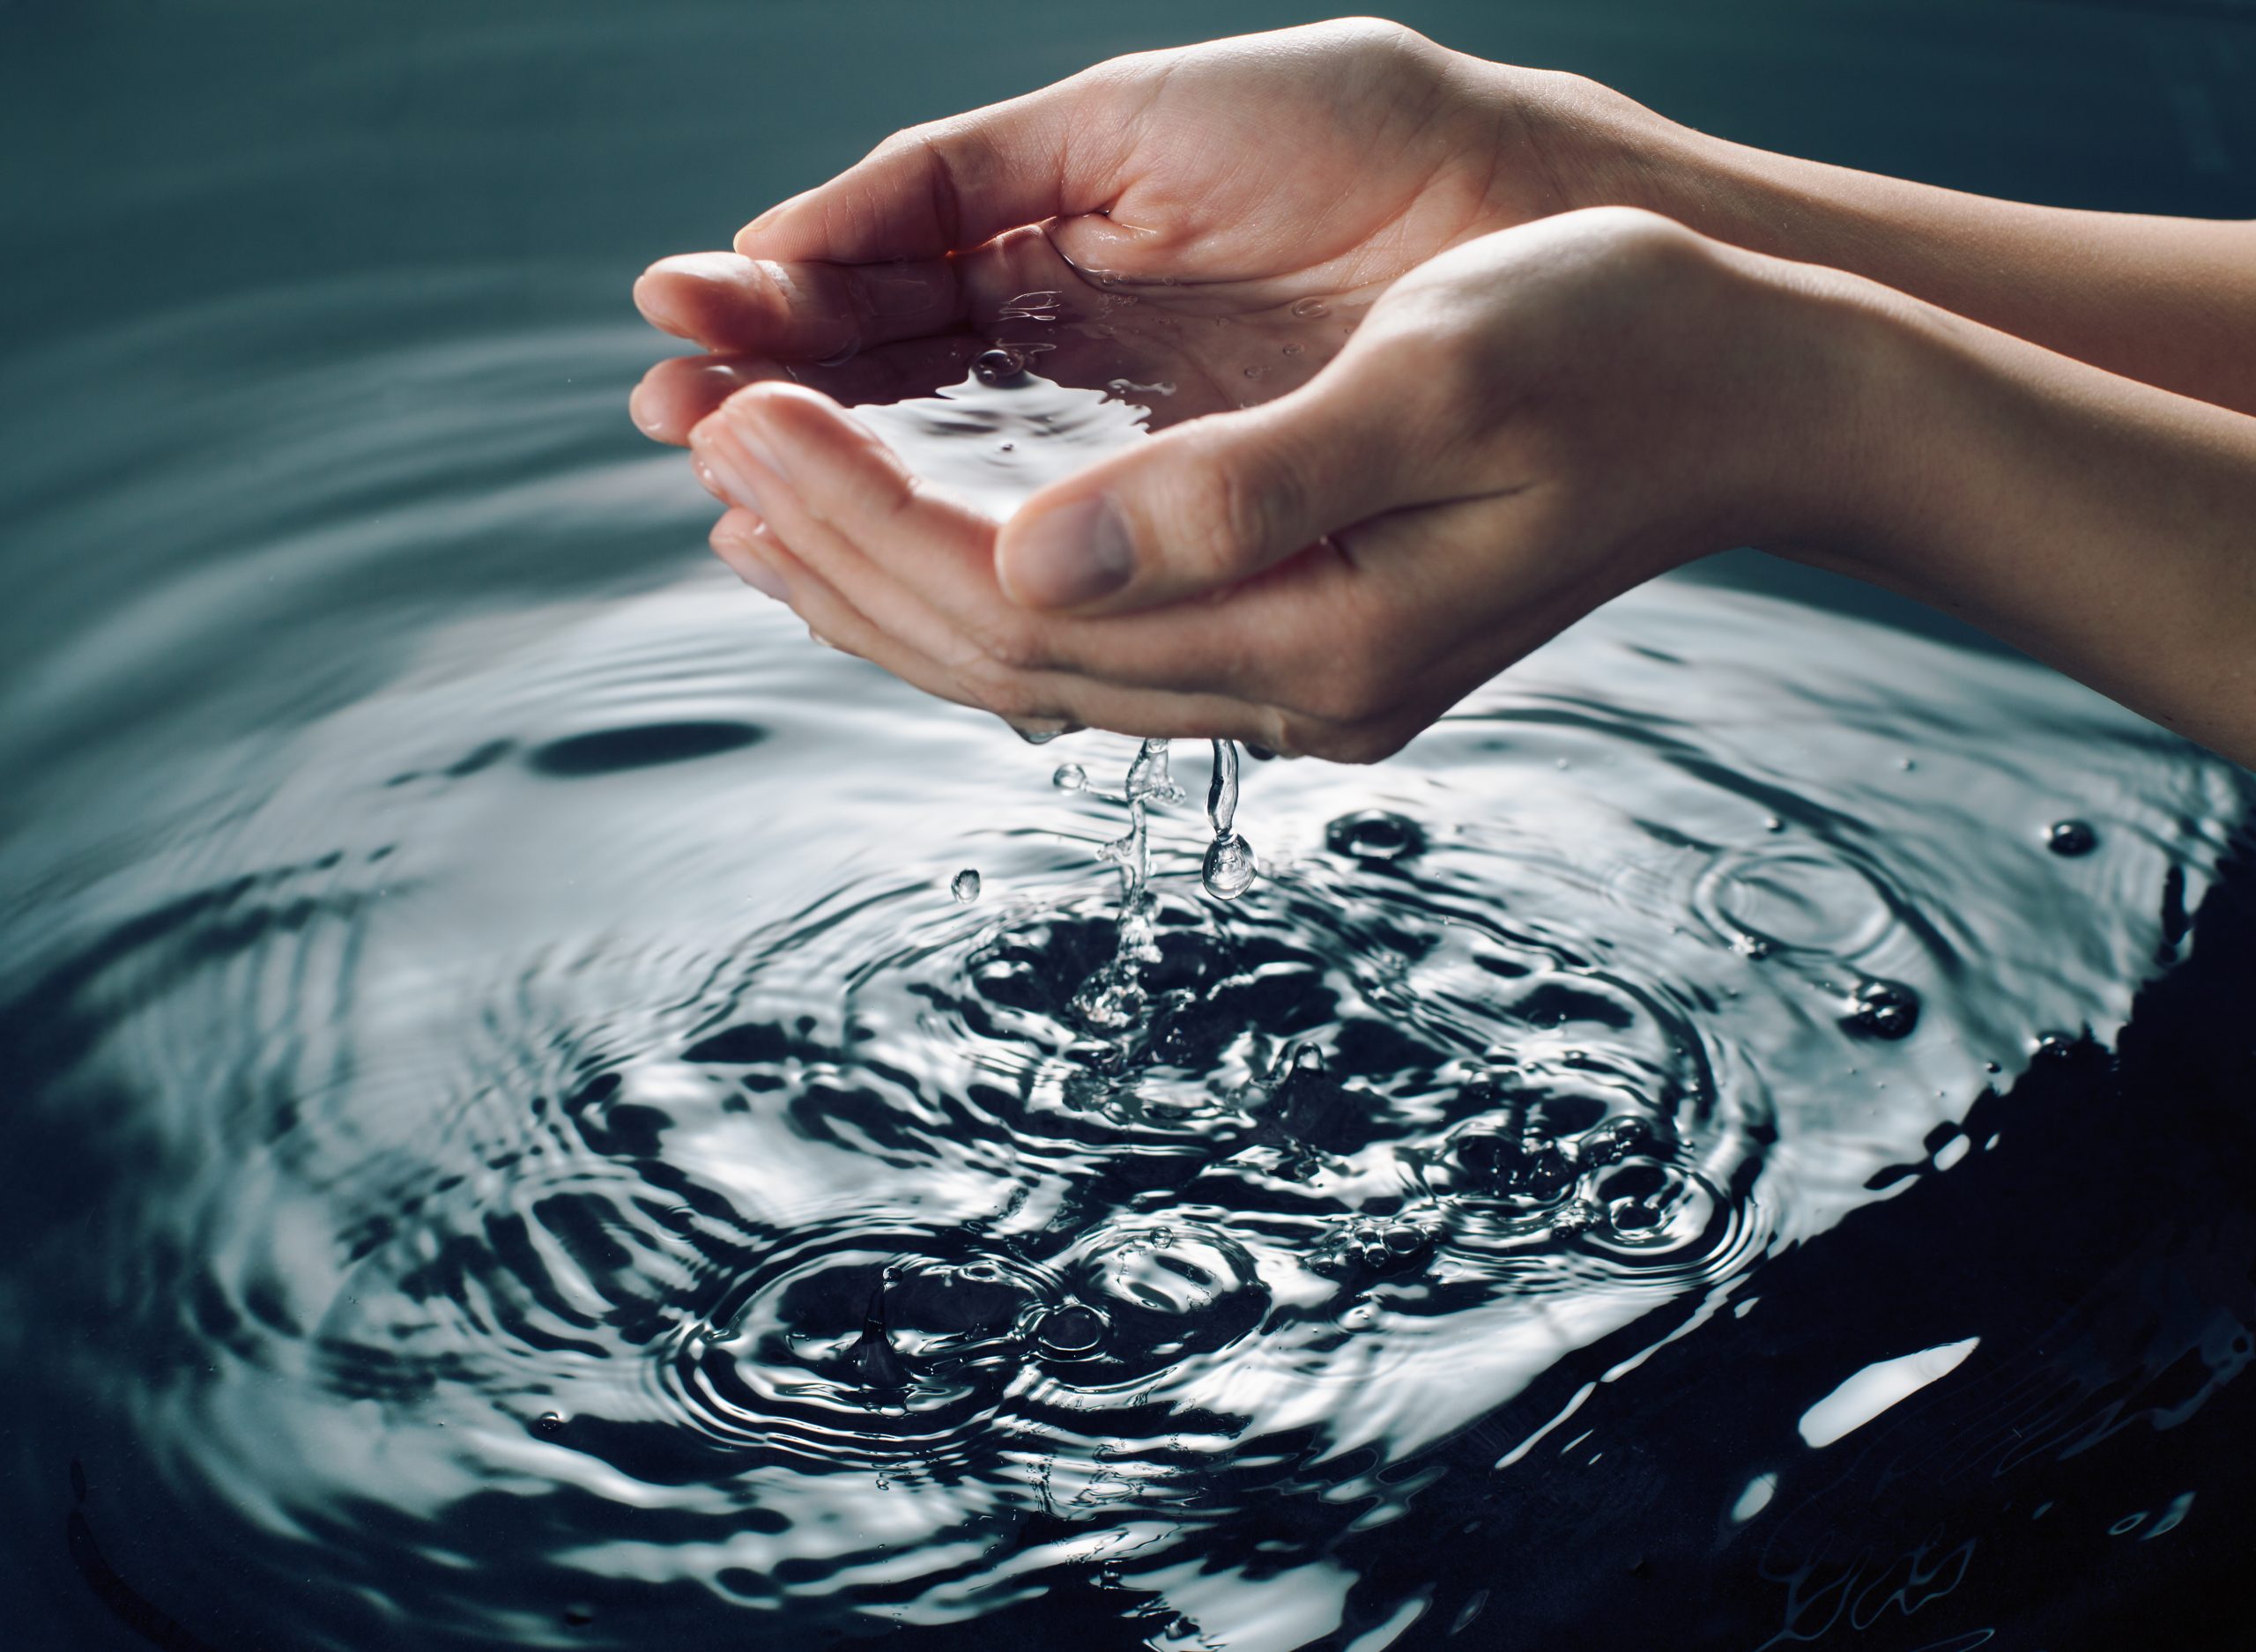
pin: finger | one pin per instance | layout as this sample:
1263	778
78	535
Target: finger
735	539
1049	703
799	311
1207	504
680	390
869	522
952	184
750	546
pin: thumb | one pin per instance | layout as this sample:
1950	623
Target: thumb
952	184
1205	505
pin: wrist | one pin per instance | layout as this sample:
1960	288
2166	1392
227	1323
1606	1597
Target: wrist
1568	142
1847	393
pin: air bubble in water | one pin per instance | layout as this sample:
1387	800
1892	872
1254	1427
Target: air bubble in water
999	365
2071	838
1070	777
1882	1009
965	886
1230	869
1309	309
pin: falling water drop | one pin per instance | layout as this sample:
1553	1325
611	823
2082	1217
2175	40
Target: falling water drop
2071	838
965	886
1230	868
1070	777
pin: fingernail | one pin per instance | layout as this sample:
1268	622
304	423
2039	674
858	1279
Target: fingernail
1070	556
643	408
725	465
658	293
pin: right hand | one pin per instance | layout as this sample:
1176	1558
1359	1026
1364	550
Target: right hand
1524	427
1232	180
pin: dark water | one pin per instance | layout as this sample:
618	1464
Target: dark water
1738	1138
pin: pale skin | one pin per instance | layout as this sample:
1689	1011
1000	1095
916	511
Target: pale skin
1564	346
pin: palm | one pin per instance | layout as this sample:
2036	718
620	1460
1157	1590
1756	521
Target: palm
1227	164
1183	213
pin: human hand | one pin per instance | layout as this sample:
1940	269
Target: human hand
1150	198
1520	429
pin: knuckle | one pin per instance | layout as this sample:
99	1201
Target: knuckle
1226	513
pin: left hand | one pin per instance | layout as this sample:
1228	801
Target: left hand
1520	429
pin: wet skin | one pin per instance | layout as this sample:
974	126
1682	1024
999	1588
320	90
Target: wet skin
1565	346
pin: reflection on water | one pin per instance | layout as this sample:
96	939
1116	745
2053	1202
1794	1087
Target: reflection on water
551	1120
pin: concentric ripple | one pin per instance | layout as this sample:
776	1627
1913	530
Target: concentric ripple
557	1126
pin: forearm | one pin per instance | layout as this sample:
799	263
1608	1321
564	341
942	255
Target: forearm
2169	302
2101	524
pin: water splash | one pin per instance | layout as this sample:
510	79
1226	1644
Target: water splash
1230	868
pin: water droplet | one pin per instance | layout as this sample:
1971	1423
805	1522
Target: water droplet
1771	823
999	365
1882	1009
1036	736
1291	350
1008	447
1230	868
964	886
1309	309
2071	838
1070	777
578	1616
549	1423
1254	373
1375	837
